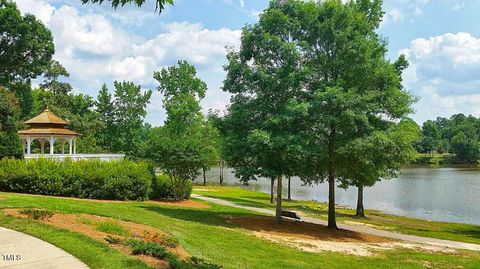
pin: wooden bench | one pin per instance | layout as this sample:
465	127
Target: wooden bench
290	215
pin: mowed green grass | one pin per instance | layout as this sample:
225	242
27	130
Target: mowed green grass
204	233
443	230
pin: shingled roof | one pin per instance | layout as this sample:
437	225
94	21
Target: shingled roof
46	117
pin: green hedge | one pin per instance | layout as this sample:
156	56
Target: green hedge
162	188
115	180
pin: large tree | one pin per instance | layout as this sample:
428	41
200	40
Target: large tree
26	45
431	137
378	156
106	114
349	85
130	103
466	148
263	124
51	79
179	146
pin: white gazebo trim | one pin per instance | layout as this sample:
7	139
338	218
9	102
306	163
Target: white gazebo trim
71	139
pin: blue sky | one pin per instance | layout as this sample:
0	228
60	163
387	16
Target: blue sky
97	44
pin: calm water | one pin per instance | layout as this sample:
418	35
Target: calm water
443	194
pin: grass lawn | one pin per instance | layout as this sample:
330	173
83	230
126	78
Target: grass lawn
443	230
205	233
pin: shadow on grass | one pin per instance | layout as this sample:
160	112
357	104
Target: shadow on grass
218	217
242	201
473	232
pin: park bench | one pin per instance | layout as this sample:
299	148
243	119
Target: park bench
291	215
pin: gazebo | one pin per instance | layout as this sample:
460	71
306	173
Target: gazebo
48	127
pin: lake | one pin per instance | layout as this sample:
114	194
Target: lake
435	193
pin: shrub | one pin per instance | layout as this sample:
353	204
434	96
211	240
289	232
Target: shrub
115	180
162	188
156	250
140	247
111	227
113	240
38	214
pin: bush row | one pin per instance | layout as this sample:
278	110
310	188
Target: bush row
94	179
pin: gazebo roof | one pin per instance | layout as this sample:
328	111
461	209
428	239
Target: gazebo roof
46	117
47	131
47	123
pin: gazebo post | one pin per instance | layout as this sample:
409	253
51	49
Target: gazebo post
42	146
70	141
74	146
29	142
52	142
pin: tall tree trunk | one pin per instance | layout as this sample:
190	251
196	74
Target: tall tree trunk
360	211
278	213
332	222
221	172
204	177
289	193
272	183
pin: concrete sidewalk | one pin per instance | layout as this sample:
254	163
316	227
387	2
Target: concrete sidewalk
18	250
355	228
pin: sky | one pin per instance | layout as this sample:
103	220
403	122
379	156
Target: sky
97	44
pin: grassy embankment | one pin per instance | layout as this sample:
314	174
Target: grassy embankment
439	159
206	233
443	230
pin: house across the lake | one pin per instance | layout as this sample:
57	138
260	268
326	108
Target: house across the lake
47	129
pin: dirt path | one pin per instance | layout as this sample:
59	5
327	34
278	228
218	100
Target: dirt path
24	251
355	228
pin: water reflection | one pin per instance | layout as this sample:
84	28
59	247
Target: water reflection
441	193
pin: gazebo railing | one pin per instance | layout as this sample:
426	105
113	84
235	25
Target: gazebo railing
100	156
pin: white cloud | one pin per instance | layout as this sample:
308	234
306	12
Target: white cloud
458	6
41	9
395	14
95	50
444	73
399	10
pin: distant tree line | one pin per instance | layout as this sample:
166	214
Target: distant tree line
458	135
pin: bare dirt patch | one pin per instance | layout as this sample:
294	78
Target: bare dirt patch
86	225
183	203
318	238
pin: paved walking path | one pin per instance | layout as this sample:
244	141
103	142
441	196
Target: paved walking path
18	250
355	228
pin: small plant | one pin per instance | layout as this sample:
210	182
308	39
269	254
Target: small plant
201	263
170	241
87	221
37	214
111	227
140	247
113	239
191	263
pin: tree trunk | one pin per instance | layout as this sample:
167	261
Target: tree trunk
360	211
278	213
221	173
272	183
332	222
204	177
289	193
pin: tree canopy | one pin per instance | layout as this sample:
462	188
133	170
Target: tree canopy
26	45
179	147
309	79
